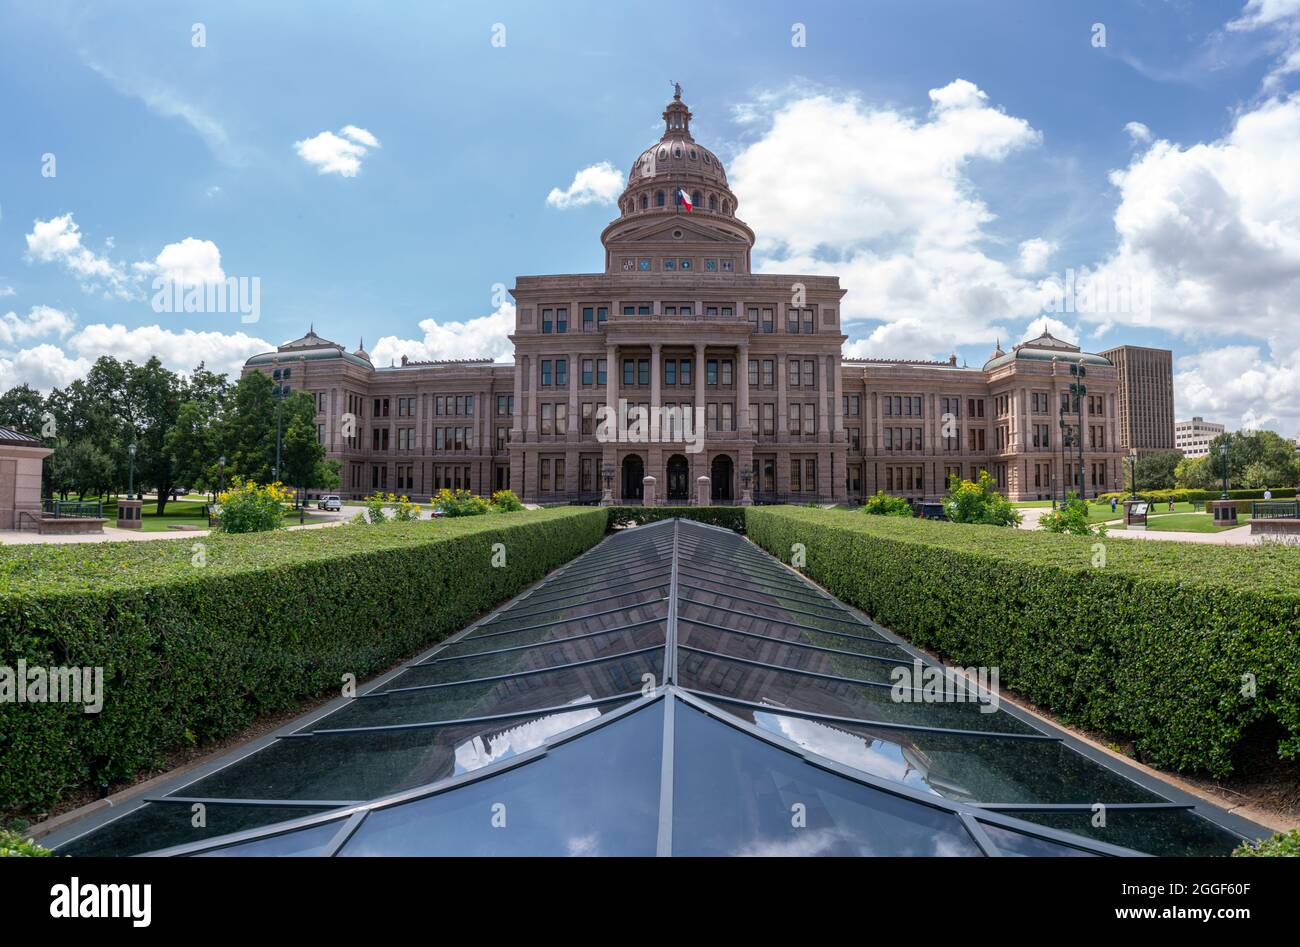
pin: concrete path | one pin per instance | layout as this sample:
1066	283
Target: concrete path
1231	537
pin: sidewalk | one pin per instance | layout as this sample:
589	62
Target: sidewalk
1231	537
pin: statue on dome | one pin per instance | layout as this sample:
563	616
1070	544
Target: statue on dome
677	89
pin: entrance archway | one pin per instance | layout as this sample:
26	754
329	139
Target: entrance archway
679	478
720	473
633	473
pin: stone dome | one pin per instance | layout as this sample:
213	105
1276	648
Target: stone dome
677	161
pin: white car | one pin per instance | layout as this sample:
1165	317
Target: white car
329	503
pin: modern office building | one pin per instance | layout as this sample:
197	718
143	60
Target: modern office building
1193	437
1146	397
677	374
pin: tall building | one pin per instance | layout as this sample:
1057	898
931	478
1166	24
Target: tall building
679	371
1193	437
1146	397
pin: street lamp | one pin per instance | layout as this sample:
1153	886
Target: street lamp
1133	471
221	474
279	392
1223	458
130	477
607	472
1078	390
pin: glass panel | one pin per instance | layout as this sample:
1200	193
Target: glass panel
962	768
1019	845
596	795
707	602
300	842
374	763
530	692
556	631
156	826
736	795
580	607
1171	832
843	639
531	659
778	688
786	656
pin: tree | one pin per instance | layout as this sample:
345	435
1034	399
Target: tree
979	502
1194	473
302	453
195	442
248	430
1158	471
153	397
21	410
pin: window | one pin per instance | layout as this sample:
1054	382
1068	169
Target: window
769	372
670	265
753	371
659	198
561	372
601	372
561	320
546	373
643	371
588	315
728	367
794	373
588	418
629	372
711	372
548	418
586	371
809	418
548	320
670	372
602	315
684	371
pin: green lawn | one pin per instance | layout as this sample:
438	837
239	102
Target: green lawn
187	511
1187	523
1031	504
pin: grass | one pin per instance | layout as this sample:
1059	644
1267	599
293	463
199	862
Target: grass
181	512
1187	523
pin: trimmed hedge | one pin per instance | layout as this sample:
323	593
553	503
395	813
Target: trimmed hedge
1150	647
728	517
1185	495
191	654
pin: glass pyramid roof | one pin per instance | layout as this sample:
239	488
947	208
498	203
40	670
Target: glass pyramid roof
674	691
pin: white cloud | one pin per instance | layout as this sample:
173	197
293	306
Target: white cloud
1240	386
1259	13
882	198
43	367
7	290
58	240
39	321
1034	254
480	337
596	184
178	350
191	262
1138	132
1056	327
337	154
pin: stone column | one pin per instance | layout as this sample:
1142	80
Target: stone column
700	391
648	490
532	397
742	392
823	417
837	396
782	427
655	349
575	422
703	491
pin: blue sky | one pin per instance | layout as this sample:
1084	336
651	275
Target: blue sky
950	161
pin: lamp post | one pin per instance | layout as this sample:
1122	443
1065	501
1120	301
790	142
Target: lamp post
1078	389
130	476
746	478
1223	459
607	471
221	474
279	392
1133	471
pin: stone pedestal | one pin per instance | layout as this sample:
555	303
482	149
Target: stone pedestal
128	514
607	499
1224	511
703	491
648	490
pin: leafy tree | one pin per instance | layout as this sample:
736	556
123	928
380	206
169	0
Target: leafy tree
248	429
21	408
1158	471
302	454
979	502
195	442
153	397
1194	473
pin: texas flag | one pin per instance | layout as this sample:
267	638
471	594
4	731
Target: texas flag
685	200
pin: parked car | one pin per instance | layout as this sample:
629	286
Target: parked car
330	502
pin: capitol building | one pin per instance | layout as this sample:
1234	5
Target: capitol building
678	375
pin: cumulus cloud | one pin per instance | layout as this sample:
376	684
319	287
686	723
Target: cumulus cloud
337	154
1258	13
43	367
190	262
479	337
1034	254
7	290
178	350
1056	327
1241	386
39	321
58	241
882	198
596	184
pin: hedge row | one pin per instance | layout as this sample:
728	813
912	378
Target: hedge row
729	517
1185	495
1153	646
195	652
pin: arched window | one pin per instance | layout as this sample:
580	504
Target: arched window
659	198
645	201
696	200
726	207
713	202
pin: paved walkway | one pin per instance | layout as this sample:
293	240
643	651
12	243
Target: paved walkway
1230	537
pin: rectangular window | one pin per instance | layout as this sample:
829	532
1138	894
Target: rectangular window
684	371
728	366
809	419
769	372
753	371
643	371
793	380
588	318
586	371
546	373
548	320
544	474
561	419
796	476
711	372
588	418
548	417
561	320
602	315
670	372
561	372
629	372
793	418
601	373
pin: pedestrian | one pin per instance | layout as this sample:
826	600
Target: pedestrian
1114	502
1268	494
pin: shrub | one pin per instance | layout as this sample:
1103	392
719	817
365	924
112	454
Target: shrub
1072	517
1154	646
404	511
249	508
728	517
13	845
884	504
460	503
193	654
505	501
979	502
1282	845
